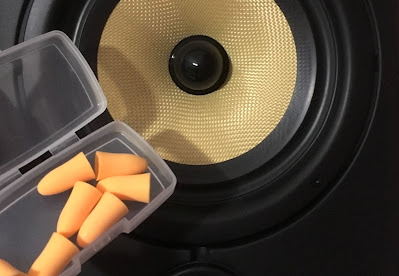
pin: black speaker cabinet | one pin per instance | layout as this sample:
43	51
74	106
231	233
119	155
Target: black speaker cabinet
317	195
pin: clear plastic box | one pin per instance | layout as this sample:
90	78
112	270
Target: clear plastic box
47	93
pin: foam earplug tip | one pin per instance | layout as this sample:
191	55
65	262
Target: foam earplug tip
65	176
128	187
81	202
108	212
116	164
7	269
56	255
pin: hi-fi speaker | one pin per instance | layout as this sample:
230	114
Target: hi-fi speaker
259	107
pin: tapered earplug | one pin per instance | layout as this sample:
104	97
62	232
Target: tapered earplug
108	211
65	176
57	254
128	187
8	270
81	202
115	164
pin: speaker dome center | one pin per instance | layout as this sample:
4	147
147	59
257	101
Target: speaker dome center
199	65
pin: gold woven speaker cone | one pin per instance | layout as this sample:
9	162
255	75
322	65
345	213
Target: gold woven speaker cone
197	130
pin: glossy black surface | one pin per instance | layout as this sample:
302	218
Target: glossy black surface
199	65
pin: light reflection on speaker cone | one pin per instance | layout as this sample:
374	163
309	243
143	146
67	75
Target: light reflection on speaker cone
133	71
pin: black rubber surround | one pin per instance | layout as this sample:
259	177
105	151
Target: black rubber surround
284	189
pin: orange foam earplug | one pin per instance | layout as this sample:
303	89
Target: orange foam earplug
81	202
57	254
8	270
108	211
65	176
115	164
128	187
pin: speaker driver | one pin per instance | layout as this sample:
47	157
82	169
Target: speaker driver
249	111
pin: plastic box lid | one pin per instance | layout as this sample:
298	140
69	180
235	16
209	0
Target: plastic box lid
47	92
